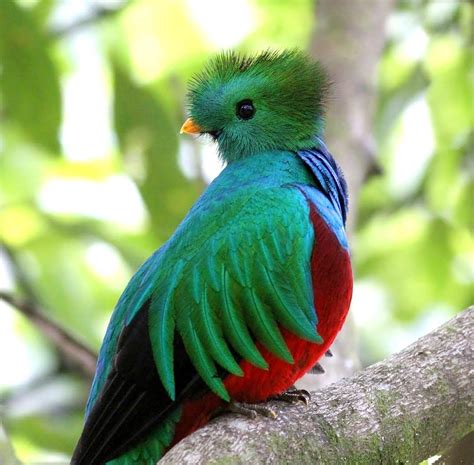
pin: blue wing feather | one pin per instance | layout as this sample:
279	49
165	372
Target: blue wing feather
328	174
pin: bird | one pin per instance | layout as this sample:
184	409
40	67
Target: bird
250	291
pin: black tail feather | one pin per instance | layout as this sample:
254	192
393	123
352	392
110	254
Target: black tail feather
133	401
101	432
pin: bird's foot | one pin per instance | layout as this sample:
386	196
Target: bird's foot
293	396
251	410
318	369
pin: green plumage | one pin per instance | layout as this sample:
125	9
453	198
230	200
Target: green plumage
227	277
218	286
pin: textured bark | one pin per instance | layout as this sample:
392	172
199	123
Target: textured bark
402	410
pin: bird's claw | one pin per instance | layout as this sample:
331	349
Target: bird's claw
317	369
251	410
294	395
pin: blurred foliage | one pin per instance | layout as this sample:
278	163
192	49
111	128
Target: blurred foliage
93	176
415	226
30	83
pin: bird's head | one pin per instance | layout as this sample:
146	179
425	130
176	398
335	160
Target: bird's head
273	101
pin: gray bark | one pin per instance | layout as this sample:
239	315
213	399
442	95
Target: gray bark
402	410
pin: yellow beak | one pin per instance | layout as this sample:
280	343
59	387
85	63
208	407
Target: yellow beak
190	127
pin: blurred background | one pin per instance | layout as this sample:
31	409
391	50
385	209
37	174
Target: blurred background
94	175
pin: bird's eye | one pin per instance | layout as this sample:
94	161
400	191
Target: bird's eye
245	109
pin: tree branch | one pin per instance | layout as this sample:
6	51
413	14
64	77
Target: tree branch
402	410
66	344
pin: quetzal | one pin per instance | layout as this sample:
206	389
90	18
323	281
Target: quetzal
254	285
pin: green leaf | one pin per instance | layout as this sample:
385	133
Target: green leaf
29	84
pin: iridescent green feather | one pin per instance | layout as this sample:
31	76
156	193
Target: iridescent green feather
235	329
249	290
212	335
249	247
201	357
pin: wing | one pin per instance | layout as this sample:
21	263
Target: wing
248	279
194	310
